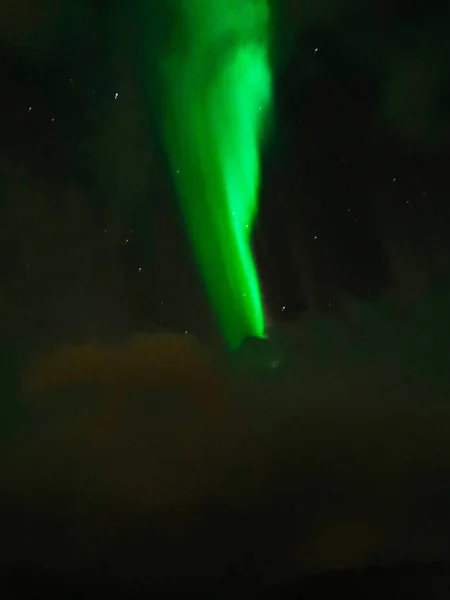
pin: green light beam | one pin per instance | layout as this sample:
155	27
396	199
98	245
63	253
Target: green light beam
217	97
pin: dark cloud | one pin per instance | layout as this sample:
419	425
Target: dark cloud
336	458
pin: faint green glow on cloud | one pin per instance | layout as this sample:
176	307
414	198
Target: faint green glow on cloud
217	98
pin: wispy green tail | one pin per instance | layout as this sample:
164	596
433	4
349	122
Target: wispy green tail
218	95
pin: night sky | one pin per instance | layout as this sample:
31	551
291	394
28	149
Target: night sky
353	201
353	227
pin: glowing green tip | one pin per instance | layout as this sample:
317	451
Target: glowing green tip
218	94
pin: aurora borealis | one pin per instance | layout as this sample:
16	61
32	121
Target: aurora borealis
217	83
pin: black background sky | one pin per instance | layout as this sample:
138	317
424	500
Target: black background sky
354	205
355	178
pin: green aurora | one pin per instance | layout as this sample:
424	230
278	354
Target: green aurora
217	96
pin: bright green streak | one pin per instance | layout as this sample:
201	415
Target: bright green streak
218	94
